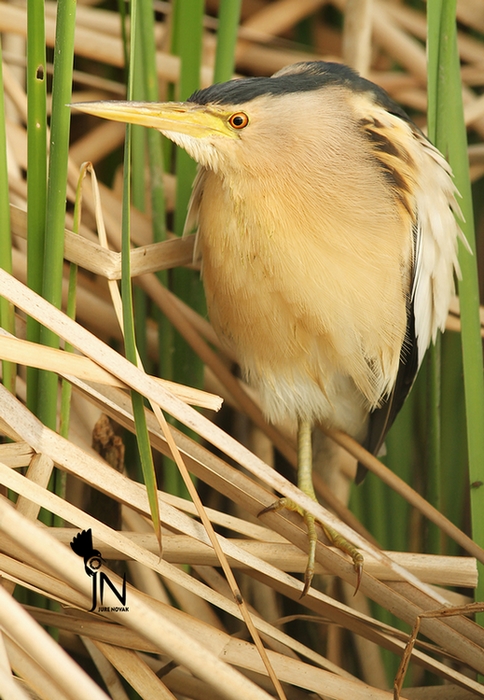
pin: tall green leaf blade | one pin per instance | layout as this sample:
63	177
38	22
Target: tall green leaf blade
228	25
451	138
56	193
36	170
142	436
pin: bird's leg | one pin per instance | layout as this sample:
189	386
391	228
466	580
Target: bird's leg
305	483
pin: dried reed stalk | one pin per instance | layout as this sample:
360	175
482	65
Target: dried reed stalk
163	650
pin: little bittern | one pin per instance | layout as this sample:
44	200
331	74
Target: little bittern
328	241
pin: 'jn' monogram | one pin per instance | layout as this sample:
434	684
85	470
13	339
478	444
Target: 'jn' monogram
82	546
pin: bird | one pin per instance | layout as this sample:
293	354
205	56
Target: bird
327	229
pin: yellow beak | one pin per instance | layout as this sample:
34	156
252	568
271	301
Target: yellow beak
179	117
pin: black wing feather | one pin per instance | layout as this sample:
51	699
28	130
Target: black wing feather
381	419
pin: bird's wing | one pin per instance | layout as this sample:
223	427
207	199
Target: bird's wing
381	418
436	232
436	250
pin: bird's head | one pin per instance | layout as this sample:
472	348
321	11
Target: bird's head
255	123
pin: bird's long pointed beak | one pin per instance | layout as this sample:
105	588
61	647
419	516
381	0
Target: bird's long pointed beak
179	117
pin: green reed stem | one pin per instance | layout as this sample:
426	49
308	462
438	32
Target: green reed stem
36	171
228	25
142	436
452	140
155	159
56	193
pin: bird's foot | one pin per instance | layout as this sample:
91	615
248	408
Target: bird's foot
344	545
334	537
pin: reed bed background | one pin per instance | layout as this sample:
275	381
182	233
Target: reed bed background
99	297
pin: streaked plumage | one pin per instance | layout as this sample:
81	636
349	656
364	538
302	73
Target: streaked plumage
327	280
327	233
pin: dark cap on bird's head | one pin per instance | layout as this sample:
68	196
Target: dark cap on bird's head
299	77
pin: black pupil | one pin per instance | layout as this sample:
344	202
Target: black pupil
238	121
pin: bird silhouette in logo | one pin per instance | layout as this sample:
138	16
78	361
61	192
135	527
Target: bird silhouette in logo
82	546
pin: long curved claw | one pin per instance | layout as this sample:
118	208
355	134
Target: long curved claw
338	541
342	543
333	536
312	538
358	567
279	505
312	535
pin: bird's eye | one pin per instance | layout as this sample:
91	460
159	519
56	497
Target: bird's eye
239	120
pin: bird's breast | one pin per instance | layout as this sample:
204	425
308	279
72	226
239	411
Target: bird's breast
314	318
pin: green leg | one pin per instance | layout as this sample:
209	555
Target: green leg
305	483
